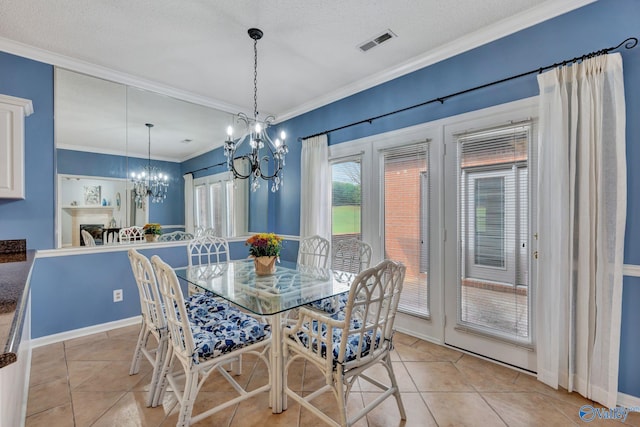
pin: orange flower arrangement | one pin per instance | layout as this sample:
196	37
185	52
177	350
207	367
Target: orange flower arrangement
264	244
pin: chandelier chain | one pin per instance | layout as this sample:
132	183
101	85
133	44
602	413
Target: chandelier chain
255	78
149	126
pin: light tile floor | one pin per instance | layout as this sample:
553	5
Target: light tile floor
86	382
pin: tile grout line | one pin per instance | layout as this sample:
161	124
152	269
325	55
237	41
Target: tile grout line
71	395
416	385
478	391
66	365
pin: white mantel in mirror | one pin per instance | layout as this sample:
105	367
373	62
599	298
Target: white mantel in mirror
86	216
89	200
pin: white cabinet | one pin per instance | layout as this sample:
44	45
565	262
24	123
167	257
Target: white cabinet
12	113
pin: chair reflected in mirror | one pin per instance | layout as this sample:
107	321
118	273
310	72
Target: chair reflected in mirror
202	231
131	235
175	236
87	238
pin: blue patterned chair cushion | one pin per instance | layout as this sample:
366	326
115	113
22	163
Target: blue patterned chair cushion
228	331
353	340
331	305
204	308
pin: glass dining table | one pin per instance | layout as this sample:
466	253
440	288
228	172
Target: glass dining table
272	296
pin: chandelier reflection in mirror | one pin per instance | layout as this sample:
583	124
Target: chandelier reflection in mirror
266	158
150	181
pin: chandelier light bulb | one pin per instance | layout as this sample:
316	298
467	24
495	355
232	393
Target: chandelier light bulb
283	135
229	131
258	128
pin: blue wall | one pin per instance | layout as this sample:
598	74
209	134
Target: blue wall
602	24
71	292
598	25
170	212
33	217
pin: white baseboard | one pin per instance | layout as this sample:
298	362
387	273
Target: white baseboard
628	401
417	334
77	333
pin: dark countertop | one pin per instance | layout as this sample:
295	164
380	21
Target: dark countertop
14	271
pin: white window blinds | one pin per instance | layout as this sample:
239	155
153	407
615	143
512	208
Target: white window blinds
406	221
493	215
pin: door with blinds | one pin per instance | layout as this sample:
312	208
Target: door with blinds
406	196
488	295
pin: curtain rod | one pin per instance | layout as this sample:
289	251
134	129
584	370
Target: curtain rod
205	168
629	43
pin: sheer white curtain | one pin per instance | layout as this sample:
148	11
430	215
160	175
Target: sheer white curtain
581	220
188	203
315	188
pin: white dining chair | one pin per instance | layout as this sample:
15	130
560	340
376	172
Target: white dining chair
349	255
208	249
313	252
154	322
203	231
87	238
344	346
200	351
175	236
109	238
131	234
202	310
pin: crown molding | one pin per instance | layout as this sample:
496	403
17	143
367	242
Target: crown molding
80	66
543	12
113	152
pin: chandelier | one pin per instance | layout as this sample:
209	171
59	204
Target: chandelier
150	181
266	158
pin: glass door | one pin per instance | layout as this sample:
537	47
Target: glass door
488	300
406	221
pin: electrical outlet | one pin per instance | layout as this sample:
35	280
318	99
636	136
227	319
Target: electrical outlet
117	295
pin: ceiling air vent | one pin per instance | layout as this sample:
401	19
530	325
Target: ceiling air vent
379	39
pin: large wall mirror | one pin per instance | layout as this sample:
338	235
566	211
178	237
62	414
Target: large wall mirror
101	138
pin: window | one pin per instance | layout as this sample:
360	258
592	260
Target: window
346	200
489	221
219	205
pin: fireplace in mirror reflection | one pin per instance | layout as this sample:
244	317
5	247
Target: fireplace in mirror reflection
96	231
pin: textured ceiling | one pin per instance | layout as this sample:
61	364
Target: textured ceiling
308	55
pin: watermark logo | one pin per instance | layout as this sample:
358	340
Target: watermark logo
589	413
